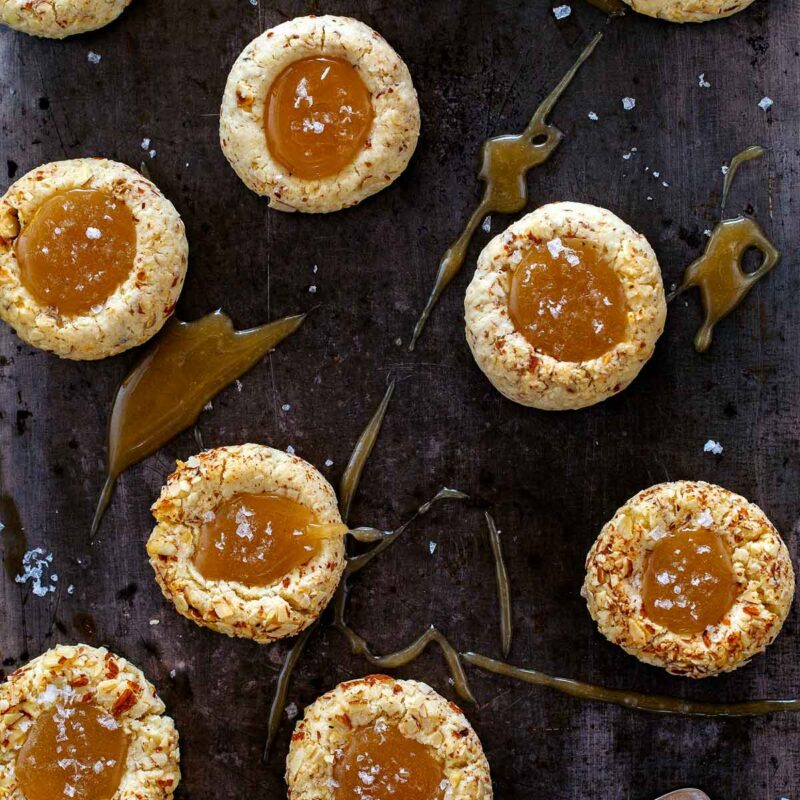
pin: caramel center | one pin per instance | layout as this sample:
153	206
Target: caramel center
318	117
379	763
567	300
689	582
257	539
74	750
78	248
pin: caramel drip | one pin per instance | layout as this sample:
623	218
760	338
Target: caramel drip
503	586
614	8
719	272
748	154
684	794
658	704
361	453
506	161
165	392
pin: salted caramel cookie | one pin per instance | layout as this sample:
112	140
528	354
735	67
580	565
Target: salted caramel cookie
92	258
249	542
318	114
57	19
386	738
690	577
688	10
79	721
565	307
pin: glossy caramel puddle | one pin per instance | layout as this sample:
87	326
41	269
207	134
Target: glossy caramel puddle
78	248
567	300
719	273
506	161
689	581
165	392
258	539
318	117
379	763
74	751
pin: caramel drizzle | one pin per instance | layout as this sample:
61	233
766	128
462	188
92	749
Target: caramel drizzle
405	656
361	453
189	364
719	272
503	586
614	8
506	161
657	704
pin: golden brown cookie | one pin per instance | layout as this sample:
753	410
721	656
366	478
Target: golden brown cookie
318	114
111	716
565	307
207	509
688	10
710	608
347	736
56	19
92	258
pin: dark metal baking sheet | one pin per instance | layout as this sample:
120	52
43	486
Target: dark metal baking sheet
551	479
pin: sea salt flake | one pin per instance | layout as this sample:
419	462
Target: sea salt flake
562	12
36	564
290	450
629	103
703	83
432	547
713	447
93	233
593	116
94	58
724	169
286	407
291	711
706	519
328	462
765	103
152	153
487	224
312	289
145	144
155	621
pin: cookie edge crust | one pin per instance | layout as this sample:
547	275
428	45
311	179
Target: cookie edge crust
83	16
152	770
511	363
420	713
137	309
689	10
395	129
264	614
761	561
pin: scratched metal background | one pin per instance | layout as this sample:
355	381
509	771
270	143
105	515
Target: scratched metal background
551	479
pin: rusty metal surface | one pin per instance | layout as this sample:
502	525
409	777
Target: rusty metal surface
551	480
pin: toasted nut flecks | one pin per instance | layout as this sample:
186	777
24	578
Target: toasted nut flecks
109	682
414	708
509	360
688	10
138	308
762	569
395	128
199	485
56	19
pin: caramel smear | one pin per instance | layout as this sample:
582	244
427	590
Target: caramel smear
656	703
506	161
78	248
379	763
689	581
74	751
257	539
165	392
719	272
567	300
318	117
